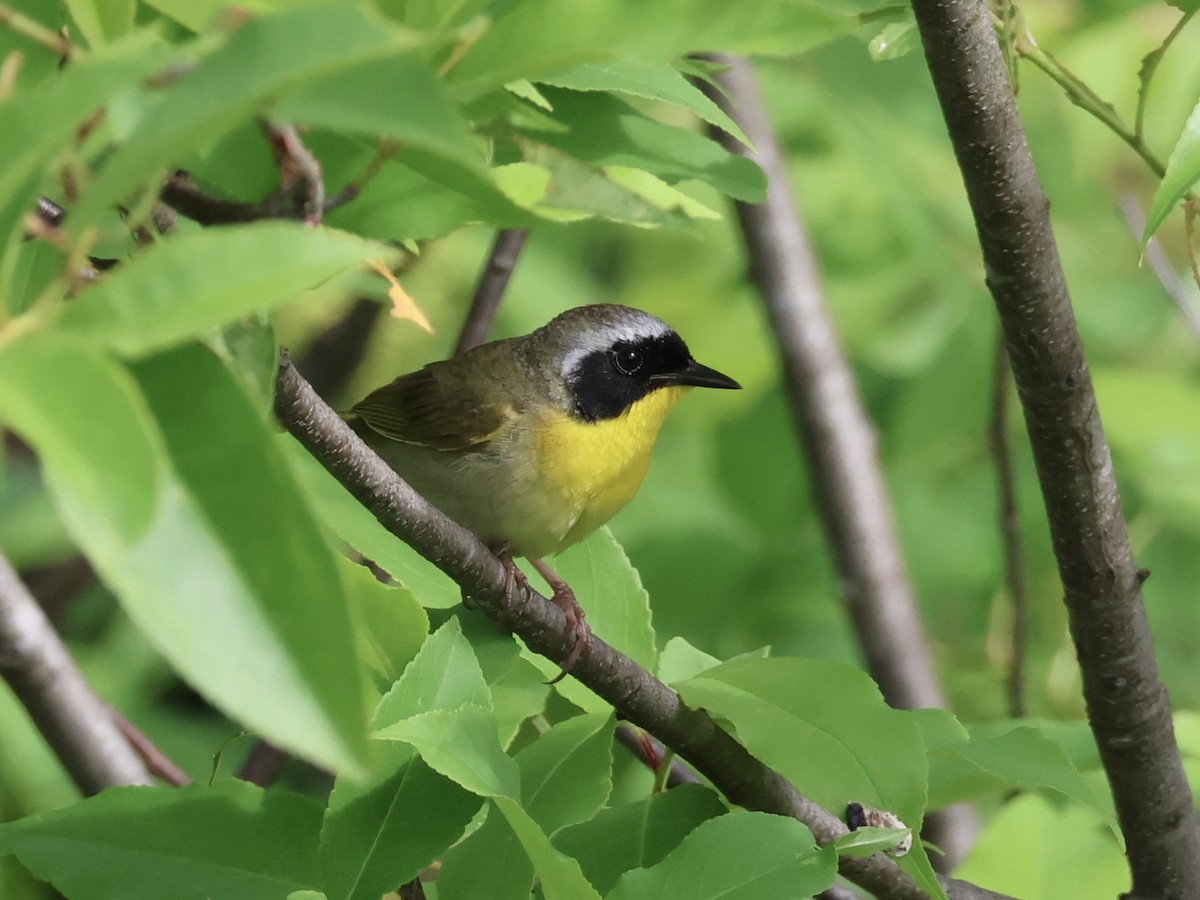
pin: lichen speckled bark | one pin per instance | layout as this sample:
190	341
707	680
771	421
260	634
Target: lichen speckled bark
1127	703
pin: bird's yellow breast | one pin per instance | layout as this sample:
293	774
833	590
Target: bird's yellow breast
598	466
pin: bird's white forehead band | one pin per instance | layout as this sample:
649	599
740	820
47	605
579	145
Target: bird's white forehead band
606	335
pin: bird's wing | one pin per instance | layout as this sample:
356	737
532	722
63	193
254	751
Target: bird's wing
433	408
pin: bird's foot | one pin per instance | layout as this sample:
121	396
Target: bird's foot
577	627
561	596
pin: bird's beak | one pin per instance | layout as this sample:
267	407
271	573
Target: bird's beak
696	375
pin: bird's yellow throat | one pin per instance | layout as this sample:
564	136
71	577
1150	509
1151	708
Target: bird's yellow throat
600	465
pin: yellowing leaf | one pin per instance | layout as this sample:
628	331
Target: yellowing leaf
403	305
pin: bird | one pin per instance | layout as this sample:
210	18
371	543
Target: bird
534	442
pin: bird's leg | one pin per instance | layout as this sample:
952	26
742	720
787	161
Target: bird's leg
513	577
561	596
564	598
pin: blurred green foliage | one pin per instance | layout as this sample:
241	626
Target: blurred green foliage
725	534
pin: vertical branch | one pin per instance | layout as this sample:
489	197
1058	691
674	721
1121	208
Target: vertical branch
1010	530
1160	265
1128	708
75	722
492	281
837	436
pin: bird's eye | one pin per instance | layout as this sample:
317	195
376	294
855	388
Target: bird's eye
627	360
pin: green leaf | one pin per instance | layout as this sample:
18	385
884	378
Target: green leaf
651	80
560	188
231	840
414	112
517	686
204	279
1183	171
217	561
679	661
380	835
637	835
102	21
825	727
37	125
388	622
868	841
895	40
249	350
607	131
1024	757
275	645
560	876
52	393
618	608
35	266
566	774
490	864
355	525
1030	848
554	36
462	745
263	60
658	193
31	532
445	675
745	855
441	706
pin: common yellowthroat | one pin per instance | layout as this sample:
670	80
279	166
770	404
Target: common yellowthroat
534	442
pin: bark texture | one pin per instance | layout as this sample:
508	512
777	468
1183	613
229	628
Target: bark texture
1127	702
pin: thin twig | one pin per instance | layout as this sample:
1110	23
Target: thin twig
297	167
838	438
502	259
633	692
1010	530
10	69
650	751
74	721
1191	206
263	764
1082	95
181	194
1161	266
36	31
837	892
1150	63
1128	707
50	212
158	763
386	150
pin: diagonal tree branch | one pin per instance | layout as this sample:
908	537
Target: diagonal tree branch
633	692
76	723
1127	703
